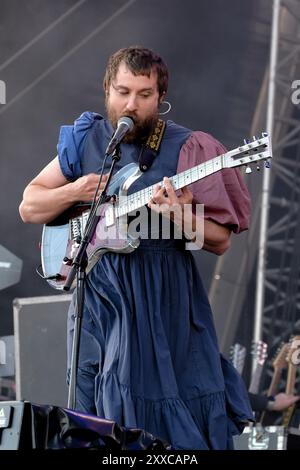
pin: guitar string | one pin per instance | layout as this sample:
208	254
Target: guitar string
200	171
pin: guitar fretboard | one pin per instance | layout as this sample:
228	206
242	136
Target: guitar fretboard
255	380
141	198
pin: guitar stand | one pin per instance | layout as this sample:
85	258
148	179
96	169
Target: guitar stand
79	266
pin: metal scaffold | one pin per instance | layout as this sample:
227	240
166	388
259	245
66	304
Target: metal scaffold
272	247
277	307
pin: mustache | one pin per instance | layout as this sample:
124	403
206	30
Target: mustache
133	116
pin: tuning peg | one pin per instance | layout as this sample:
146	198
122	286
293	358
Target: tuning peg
264	134
246	141
256	140
248	169
267	164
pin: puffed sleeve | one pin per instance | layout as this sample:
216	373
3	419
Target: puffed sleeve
224	194
71	144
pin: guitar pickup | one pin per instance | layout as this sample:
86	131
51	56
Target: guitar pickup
110	216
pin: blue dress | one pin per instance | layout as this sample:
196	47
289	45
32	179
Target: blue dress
149	356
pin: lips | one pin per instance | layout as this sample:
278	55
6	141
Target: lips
132	116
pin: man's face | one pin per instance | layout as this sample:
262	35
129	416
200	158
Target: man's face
135	96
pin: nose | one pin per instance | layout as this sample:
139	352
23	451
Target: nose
131	103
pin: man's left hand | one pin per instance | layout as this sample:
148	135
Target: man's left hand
167	202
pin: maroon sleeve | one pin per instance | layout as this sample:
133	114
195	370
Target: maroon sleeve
224	194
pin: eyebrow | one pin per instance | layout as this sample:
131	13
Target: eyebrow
127	89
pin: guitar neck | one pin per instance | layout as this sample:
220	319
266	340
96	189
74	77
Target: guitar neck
272	389
291	379
246	154
141	198
289	389
255	380
275	382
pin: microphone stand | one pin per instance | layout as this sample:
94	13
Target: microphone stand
78	269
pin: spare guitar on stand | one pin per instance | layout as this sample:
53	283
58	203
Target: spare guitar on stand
293	364
259	351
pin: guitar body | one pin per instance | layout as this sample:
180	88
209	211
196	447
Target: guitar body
60	237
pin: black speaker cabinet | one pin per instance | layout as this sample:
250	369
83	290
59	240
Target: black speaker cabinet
41	349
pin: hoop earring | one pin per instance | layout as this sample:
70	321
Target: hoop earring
168	110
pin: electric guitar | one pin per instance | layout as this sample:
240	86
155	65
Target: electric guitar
279	364
259	351
61	237
291	377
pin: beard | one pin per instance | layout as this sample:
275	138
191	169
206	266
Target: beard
142	128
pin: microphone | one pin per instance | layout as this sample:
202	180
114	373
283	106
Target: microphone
125	124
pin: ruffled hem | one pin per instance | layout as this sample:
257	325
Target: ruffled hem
180	422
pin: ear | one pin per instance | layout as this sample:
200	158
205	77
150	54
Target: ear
105	87
162	97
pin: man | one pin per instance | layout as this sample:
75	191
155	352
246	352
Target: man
149	356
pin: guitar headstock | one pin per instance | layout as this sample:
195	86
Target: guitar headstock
252	151
280	361
293	354
259	351
237	357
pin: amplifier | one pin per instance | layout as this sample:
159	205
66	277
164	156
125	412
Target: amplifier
40	330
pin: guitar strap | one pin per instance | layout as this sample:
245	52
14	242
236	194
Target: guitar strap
151	148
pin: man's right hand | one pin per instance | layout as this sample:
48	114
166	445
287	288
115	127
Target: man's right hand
84	187
49	194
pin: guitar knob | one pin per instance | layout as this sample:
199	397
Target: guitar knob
268	164
248	169
67	261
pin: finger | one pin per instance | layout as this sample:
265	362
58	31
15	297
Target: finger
186	190
156	194
294	399
96	177
160	198
170	190
186	194
156	189
153	206
161	194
